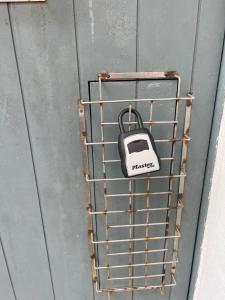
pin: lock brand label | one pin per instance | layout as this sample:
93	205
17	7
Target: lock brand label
146	165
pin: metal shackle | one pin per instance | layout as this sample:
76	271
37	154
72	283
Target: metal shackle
133	111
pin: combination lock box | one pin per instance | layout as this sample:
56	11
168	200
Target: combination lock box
137	148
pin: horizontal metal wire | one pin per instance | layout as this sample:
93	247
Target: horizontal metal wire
148	238
137	288
137	265
157	75
118	160
106	212
137	252
136	100
144	122
187	139
136	277
137	194
138	225
88	179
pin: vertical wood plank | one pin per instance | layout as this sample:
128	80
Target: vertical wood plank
106	42
205	79
166	36
46	49
106	38
20	219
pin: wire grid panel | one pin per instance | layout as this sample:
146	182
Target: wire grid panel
134	223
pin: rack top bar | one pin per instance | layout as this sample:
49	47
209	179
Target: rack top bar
138	75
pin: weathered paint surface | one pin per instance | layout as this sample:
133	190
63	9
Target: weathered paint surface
48	53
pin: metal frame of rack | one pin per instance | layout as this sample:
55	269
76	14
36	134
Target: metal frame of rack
124	261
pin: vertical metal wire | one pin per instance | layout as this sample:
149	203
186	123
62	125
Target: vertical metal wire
104	174
183	166
130	206
170	196
83	137
148	205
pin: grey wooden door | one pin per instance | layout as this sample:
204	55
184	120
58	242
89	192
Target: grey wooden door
48	52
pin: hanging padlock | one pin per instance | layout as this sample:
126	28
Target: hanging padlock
136	148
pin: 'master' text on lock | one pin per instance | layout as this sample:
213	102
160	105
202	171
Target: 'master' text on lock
146	165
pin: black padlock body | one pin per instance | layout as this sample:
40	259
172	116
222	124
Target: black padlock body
141	145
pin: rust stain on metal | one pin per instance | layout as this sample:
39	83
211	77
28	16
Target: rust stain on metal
131	210
84	134
103	75
89	207
171	74
183	167
180	203
178	227
180	196
187	132
90	231
92	256
186	138
189	101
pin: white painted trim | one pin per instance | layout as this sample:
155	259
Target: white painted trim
210	282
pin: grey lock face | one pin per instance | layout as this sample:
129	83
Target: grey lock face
137	149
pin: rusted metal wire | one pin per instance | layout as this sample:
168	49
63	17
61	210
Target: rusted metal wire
132	210
173	140
137	277
113	222
170	185
138	288
131	216
147	238
145	122
183	167
136	100
138	252
138	225
83	135
135	178
136	265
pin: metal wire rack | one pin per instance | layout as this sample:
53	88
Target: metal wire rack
134	223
